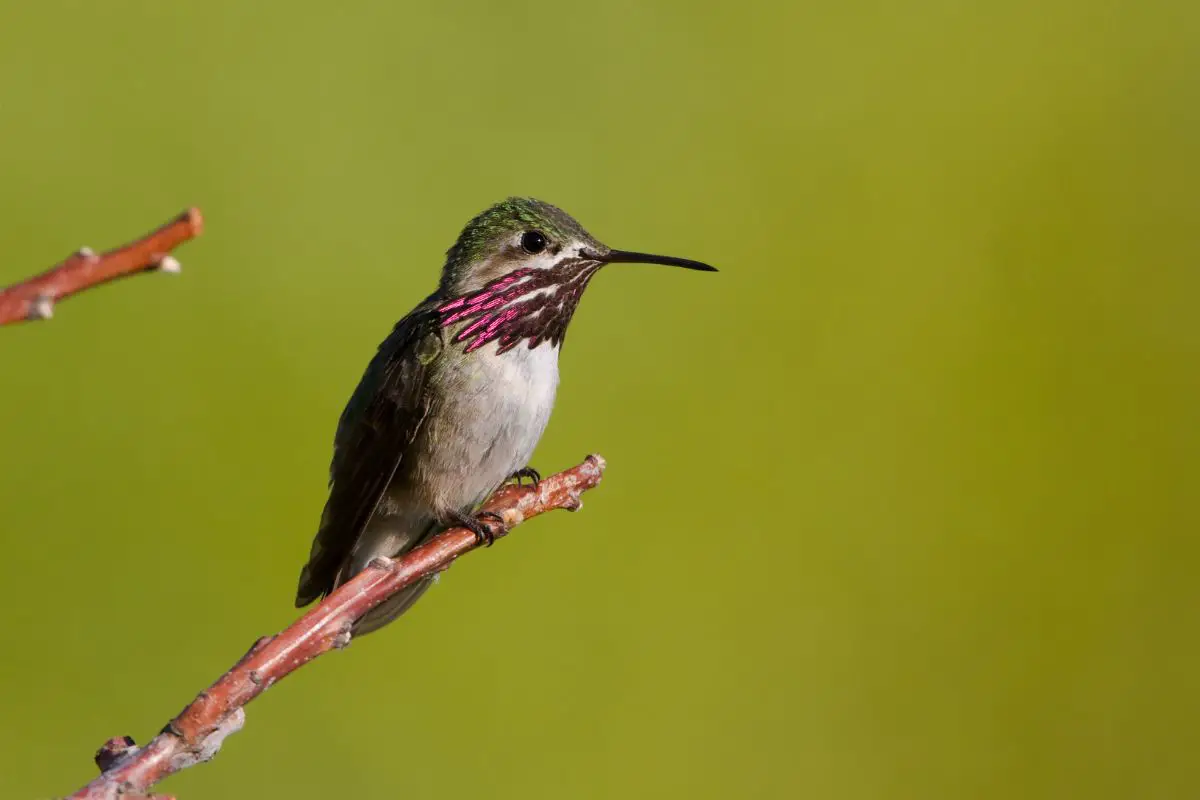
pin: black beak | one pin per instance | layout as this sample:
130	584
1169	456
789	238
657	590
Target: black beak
628	257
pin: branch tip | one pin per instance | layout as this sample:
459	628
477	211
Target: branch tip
35	298
194	220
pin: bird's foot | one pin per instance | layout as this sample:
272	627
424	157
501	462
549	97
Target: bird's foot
534	476
485	525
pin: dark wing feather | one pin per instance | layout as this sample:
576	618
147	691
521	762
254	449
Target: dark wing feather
377	426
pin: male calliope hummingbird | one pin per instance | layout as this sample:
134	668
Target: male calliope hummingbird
455	400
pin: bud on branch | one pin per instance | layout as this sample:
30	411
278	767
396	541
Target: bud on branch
36	297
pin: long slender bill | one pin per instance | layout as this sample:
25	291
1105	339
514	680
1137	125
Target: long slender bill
630	257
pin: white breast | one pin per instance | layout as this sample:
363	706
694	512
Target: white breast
485	422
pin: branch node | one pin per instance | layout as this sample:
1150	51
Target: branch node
382	563
210	744
343	631
259	644
113	750
41	307
169	263
229	726
86	252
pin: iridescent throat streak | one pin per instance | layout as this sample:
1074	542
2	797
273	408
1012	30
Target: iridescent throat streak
533	304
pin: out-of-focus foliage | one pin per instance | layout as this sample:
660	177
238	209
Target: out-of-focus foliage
902	503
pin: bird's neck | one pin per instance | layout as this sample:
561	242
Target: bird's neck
525	305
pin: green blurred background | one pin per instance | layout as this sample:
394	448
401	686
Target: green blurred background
903	503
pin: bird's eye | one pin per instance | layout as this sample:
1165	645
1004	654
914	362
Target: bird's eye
533	242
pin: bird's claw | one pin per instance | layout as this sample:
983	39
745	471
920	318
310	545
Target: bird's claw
485	525
488	537
534	476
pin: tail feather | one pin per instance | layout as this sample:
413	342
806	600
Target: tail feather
386	535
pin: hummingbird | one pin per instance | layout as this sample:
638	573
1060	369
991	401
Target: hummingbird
456	398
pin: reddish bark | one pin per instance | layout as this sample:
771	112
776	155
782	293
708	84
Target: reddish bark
198	732
35	298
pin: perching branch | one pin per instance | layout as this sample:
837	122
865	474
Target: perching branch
198	732
34	298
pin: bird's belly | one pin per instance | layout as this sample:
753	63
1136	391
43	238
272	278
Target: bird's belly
484	423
